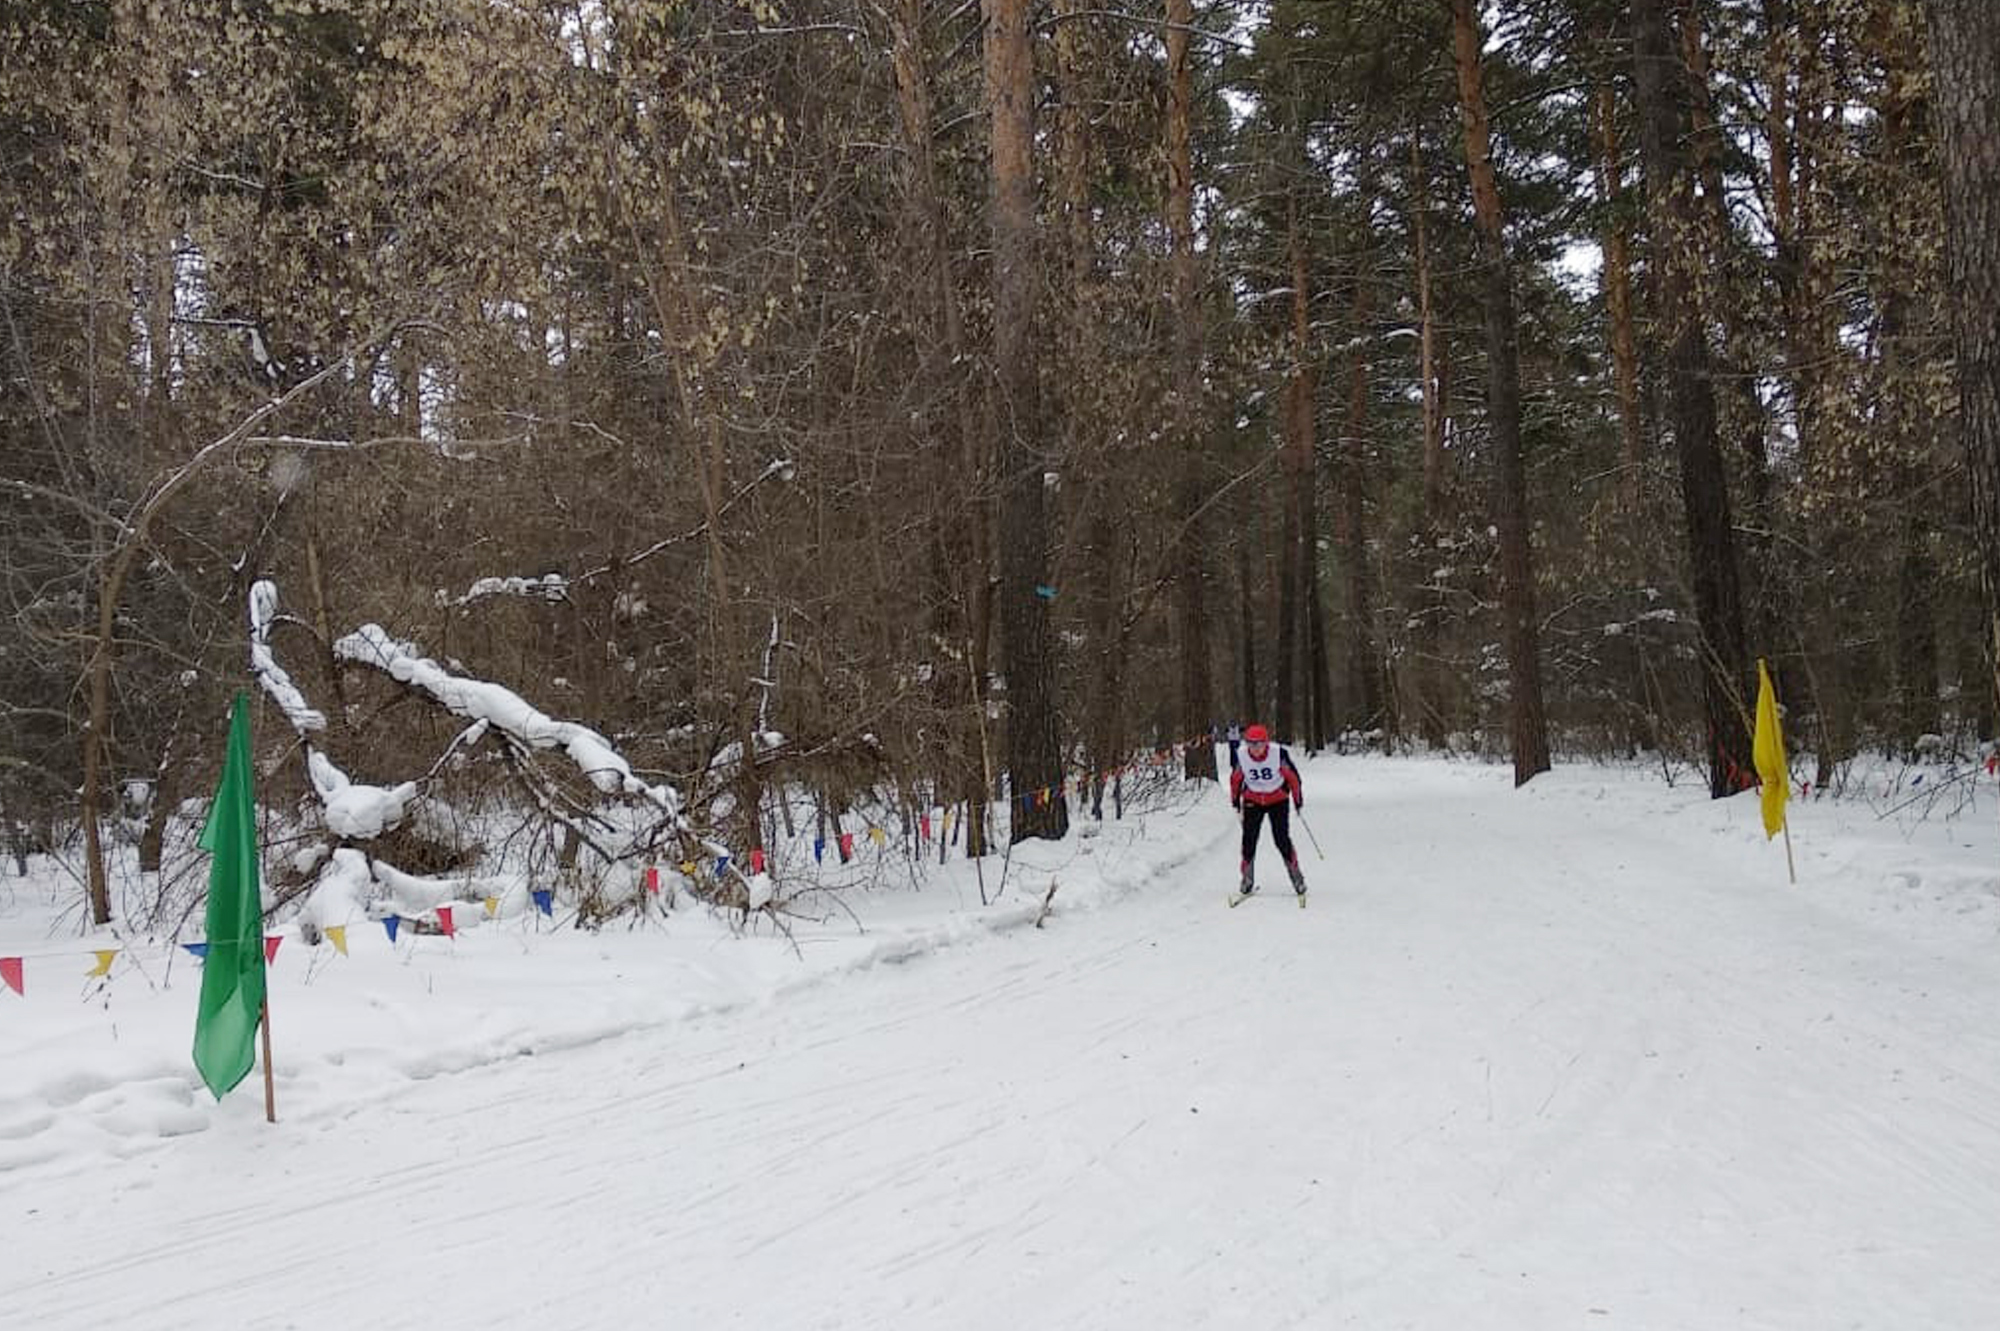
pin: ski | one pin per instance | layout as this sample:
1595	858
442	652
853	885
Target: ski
1238	898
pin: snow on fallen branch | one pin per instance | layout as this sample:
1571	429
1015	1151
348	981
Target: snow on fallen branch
352	811
506	711
548	587
264	663
354	886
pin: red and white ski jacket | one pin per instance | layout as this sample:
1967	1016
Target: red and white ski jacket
1268	780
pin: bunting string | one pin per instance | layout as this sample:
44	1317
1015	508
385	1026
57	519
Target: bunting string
926	828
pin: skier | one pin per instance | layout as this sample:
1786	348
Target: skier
1258	788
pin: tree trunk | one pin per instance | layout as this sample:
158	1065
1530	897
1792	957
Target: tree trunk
1108	572
1795	206
1916	634
1616	281
967	538
1191	565
1907	419
1301	394
1364	687
1965	58
1616	278
1246	678
1034	746
1743	412
1527	724
1704	485
1429	674
166	794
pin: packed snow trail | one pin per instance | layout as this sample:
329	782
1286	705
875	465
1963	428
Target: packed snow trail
1530	1061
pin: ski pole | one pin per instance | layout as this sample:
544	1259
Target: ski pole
1309	833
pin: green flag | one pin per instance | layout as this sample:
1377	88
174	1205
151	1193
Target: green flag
232	976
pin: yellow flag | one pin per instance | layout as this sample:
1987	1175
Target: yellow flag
337	935
103	963
492	906
876	835
1767	751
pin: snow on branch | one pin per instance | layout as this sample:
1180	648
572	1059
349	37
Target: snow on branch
554	587
356	812
548	587
353	811
506	711
264	664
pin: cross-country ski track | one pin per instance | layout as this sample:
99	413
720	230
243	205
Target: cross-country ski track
1569	1056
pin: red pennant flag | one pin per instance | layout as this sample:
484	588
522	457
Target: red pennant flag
756	859
846	844
10	971
271	942
924	827
652	878
445	923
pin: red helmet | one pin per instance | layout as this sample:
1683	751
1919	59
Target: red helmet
1257	735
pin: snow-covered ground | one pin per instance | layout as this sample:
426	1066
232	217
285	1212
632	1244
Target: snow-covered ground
1570	1056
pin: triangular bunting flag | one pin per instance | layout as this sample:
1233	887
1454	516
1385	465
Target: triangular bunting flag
846	845
721	863
924	826
103	966
652	878
199	951
445	922
492	907
337	935
545	901
391	923
819	849
756	859
10	974
271	942
875	835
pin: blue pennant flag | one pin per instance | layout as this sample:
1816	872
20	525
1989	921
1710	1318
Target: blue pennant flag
545	901
721	863
197	950
392	923
819	849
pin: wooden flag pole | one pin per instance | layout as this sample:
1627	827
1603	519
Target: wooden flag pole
1789	867
270	1089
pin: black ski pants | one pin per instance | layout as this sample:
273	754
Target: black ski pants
1281	831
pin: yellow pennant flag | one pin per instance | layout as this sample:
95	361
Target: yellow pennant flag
492	906
876	835
1767	751
337	935
103	966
